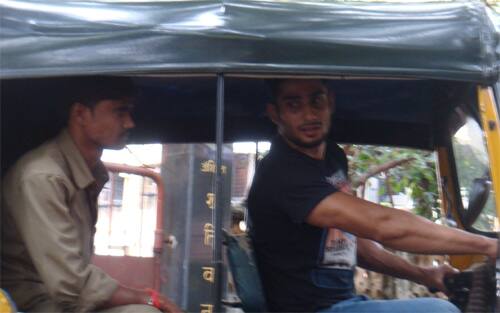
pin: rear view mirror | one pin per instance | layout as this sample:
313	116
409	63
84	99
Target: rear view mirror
478	196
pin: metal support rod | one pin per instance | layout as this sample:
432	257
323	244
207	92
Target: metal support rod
218	211
187	232
158	243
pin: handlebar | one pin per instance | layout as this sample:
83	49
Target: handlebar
474	290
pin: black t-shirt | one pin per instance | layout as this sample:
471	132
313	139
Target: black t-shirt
303	268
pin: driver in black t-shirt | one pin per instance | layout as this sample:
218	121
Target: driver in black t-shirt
309	232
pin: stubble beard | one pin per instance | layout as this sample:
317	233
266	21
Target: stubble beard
306	145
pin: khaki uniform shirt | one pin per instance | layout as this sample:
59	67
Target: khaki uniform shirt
48	225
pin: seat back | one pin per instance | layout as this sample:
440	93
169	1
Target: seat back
245	273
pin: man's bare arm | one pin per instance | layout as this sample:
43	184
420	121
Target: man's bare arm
396	229
374	257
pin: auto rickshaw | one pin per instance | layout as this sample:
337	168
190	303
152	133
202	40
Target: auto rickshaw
421	75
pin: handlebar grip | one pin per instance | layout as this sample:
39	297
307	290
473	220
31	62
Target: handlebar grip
449	282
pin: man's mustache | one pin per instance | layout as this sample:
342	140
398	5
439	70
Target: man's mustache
311	124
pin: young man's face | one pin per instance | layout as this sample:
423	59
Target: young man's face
302	111
107	124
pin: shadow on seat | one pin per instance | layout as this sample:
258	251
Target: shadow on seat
245	274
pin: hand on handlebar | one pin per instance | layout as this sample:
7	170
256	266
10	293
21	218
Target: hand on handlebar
434	277
492	251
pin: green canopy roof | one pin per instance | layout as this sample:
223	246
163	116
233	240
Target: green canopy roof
448	40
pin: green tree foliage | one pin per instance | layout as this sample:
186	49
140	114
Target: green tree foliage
416	173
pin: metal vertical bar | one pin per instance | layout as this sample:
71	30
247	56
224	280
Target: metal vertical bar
111	205
218	212
256	153
187	232
490	120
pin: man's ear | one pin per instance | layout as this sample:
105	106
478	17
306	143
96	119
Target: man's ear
78	112
272	112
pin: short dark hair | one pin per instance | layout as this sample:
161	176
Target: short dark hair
275	84
89	90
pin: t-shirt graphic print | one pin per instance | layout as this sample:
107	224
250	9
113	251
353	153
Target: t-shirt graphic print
338	247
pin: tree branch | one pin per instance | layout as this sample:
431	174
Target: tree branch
374	170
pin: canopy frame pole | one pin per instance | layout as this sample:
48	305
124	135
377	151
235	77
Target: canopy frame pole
218	212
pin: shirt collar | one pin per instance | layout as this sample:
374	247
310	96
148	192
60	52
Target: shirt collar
280	145
82	175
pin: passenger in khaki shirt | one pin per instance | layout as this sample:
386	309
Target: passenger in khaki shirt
49	211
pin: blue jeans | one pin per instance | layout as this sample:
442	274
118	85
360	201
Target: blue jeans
363	304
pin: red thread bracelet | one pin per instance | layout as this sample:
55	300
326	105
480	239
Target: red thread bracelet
154	298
